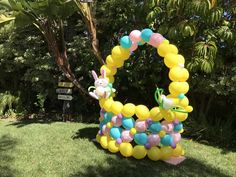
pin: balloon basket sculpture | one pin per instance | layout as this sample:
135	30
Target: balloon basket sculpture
134	130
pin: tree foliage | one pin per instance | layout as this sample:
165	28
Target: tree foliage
202	29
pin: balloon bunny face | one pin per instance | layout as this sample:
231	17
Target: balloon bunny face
102	88
102	82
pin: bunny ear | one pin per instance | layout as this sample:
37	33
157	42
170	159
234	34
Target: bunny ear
95	76
104	73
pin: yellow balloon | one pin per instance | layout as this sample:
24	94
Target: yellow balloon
128	110
104	142
139	152
166	152
113	70
111	79
154	153
119	53
109	125
171	60
165	49
101	102
142	112
178	74
107	105
184	102
118	63
133	131
181	59
110	61
185	75
181	116
155	114
175	101
189	108
166	41
176	88
116	107
178	150
126	149
168	115
113	146
110	71
98	138
162	133
162	49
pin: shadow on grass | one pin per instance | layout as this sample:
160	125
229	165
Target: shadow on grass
86	133
118	166
25	122
7	143
129	167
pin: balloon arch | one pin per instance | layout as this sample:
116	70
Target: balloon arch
134	130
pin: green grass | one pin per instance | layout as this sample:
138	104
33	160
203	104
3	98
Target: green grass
38	149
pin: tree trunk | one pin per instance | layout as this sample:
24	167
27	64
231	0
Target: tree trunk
89	20
58	50
63	64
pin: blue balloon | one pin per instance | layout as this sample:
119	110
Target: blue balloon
125	42
107	117
115	132
101	125
181	96
155	127
141	138
178	127
128	122
146	34
167	140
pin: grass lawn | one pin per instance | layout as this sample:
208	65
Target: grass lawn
54	149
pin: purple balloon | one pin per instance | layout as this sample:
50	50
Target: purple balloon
149	121
148	146
119	116
119	141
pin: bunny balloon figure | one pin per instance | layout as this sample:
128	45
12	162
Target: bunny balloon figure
102	88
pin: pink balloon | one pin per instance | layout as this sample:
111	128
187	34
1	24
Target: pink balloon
168	127
141	126
156	39
105	130
116	121
135	36
153	139
176	137
126	136
133	47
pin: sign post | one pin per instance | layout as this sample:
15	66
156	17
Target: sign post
64	93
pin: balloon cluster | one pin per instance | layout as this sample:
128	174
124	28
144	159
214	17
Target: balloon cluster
157	140
135	130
